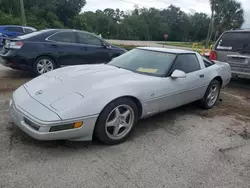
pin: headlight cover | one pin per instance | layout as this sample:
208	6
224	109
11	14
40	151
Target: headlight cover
67	101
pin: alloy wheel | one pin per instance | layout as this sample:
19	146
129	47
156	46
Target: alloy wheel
213	95
44	65
119	122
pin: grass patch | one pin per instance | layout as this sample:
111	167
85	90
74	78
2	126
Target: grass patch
200	45
127	47
179	44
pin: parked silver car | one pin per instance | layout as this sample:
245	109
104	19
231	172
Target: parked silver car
106	100
233	47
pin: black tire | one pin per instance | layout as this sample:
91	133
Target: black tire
46	58
204	101
100	128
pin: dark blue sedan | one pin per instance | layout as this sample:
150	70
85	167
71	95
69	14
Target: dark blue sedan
45	50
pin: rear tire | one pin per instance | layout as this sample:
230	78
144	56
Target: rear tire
212	95
43	65
116	121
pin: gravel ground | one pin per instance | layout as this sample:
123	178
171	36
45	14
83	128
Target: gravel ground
186	147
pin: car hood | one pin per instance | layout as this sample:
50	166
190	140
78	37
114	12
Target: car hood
78	82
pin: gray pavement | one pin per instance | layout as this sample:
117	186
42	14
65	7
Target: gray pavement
186	147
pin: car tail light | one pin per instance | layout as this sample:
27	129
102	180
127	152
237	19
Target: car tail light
15	45
213	55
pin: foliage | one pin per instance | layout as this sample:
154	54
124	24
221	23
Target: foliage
137	24
127	47
43	13
225	15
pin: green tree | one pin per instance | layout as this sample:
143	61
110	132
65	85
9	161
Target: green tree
199	26
225	14
229	15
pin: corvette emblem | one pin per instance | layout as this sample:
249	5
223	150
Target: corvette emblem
39	92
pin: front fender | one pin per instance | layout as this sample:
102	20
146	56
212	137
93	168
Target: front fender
93	104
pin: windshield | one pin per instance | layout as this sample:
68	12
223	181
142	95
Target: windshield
145	61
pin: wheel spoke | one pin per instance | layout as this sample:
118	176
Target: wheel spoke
43	61
111	123
49	64
125	124
117	112
41	70
209	96
39	65
116	130
126	114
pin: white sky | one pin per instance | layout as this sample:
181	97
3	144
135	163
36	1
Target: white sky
186	5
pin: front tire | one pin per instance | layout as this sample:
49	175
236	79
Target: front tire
43	65
116	121
212	95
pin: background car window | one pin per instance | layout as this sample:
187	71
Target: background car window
14	29
68	37
186	63
234	41
27	30
85	38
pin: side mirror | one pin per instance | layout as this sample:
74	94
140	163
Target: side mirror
178	74
105	45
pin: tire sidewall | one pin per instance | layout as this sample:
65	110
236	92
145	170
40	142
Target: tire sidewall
100	130
39	59
204	100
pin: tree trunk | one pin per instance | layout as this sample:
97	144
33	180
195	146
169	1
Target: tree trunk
208	32
211	26
216	34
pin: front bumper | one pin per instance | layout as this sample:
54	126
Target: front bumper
42	131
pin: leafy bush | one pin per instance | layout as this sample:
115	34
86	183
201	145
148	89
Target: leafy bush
203	43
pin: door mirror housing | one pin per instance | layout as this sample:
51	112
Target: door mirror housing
105	45
178	74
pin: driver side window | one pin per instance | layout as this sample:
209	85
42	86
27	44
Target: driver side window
85	38
186	63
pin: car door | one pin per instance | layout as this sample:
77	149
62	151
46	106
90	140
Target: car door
63	44
180	91
92	49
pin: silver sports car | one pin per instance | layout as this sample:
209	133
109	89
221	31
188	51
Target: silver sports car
106	100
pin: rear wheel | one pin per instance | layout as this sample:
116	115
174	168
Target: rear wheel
43	65
212	95
116	121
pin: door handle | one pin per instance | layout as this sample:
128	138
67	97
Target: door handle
201	75
84	48
53	45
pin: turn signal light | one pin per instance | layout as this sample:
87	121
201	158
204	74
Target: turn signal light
66	126
77	124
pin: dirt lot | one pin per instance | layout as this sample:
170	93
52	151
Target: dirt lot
186	147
